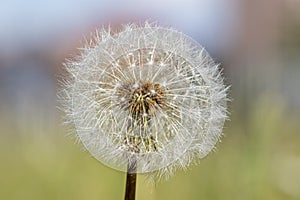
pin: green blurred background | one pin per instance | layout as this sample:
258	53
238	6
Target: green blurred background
258	44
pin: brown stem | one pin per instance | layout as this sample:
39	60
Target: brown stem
130	181
130	187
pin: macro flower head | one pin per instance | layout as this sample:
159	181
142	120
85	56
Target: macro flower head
145	99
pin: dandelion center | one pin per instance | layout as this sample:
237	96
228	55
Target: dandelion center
142	99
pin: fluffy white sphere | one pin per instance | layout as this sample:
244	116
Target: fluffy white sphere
145	99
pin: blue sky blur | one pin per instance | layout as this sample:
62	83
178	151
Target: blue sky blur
33	22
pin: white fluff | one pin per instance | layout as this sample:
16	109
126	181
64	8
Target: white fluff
186	129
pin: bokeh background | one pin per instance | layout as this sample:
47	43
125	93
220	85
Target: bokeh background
258	44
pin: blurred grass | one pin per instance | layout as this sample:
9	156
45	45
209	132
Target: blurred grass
257	159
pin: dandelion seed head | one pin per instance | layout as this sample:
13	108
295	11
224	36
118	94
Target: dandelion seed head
146	91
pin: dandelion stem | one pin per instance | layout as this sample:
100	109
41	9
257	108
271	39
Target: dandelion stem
130	181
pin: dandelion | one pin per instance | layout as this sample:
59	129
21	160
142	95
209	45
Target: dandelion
145	100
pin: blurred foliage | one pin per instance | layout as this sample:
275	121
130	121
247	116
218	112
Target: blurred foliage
259	158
